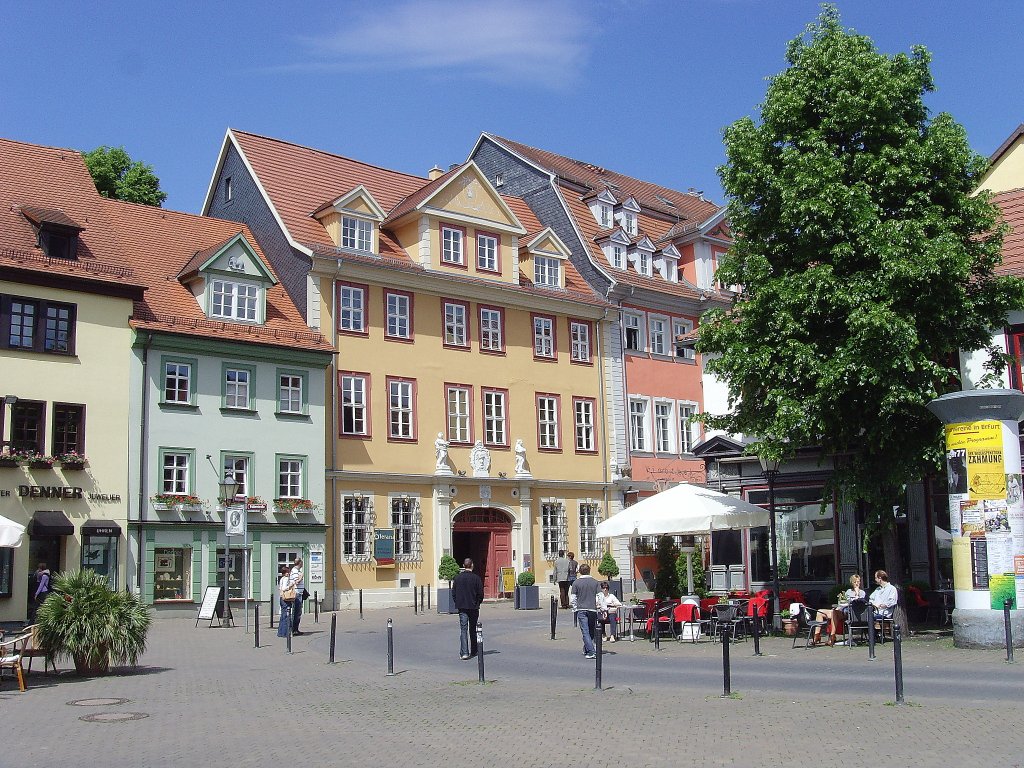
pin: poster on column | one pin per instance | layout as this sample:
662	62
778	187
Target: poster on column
986	506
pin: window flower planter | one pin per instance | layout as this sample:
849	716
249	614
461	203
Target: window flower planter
41	462
72	461
180	502
294	506
8	462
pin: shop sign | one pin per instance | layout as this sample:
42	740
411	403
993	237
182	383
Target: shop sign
384	547
49	492
316	565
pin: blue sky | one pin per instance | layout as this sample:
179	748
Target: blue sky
641	86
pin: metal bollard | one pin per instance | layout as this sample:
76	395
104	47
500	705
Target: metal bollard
515	598
271	612
334	634
429	587
1007	604
414	606
726	671
655	628
871	633
480	651
554	616
316	608
598	641
360	604
897	655
288	618
391	649
257	623
421	598
757	633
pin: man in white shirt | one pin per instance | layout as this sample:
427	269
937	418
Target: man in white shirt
883	600
299	582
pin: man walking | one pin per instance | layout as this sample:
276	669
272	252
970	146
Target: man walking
299	582
583	597
562	577
467	594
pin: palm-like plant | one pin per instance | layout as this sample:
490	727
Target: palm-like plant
85	620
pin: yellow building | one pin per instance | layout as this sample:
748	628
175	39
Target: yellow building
65	299
467	393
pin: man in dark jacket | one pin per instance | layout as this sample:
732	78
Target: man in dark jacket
467	594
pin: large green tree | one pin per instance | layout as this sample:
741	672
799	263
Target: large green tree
865	265
119	177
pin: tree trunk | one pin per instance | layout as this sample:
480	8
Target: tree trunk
894	567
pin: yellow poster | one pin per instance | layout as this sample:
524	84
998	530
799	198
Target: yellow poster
508	579
980	443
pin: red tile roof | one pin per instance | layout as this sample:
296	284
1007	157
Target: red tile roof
161	243
53	183
1012	205
299	180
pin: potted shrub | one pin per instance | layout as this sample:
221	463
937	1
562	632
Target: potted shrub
446	571
85	620
527	592
789	622
609	569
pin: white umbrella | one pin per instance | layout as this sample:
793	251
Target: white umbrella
10	532
684	509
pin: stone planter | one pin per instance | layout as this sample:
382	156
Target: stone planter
84	669
789	627
444	601
527	598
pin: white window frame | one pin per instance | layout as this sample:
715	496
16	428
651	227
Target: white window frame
491	321
629	222
487	252
547	272
234	300
456	325
289	394
352	308
453	246
459	413
357	525
589	517
657	334
176	474
238	393
681	328
643	264
579	341
239	466
356	234
405	519
398	308
355	398
639	424
605	217
402	409
618	258
553	533
548	432
689	429
585	428
634	321
544	336
290	473
182	374
664	426
495	417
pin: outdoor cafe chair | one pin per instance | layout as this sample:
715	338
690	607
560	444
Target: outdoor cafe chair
725	620
808	621
10	657
859	614
687	617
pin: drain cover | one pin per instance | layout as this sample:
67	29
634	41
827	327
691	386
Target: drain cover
113	717
97	701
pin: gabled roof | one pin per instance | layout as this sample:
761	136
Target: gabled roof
160	243
202	259
1012	205
1017	133
297	180
51	184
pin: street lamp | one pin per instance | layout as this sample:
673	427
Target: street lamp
770	470
229	489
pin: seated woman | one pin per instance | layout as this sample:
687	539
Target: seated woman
837	617
608	611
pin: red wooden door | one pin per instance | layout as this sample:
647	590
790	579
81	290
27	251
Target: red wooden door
499	555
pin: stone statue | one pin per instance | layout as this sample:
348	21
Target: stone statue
480	460
520	458
441	450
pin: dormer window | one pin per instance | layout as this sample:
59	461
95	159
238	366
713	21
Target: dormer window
643	263
58	244
606	216
235	301
356	234
547	272
57	233
630	223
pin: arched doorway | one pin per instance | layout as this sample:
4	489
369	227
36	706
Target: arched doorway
485	535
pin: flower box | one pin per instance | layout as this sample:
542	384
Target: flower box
40	462
182	502
72	466
8	461
72	460
294	506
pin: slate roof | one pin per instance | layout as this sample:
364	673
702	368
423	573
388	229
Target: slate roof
53	184
1012	205
298	180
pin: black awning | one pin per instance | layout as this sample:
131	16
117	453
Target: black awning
50	524
100	528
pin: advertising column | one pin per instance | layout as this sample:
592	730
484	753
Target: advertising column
986	511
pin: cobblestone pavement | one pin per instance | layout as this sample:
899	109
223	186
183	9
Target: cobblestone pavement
208	695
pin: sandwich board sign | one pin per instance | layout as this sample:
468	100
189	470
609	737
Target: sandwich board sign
212	608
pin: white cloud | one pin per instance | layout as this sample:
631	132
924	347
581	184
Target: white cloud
531	42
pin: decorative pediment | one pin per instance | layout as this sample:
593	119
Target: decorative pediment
234	256
630	204
468	197
615	236
671	252
644	244
602	196
358	201
546	243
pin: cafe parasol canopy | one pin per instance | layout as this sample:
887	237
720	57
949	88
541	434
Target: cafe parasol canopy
10	532
684	509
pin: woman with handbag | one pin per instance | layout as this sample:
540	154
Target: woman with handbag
286	593
608	611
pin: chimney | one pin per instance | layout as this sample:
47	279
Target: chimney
434	173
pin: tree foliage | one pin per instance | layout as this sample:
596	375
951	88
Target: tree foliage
608	567
865	262
666	584
119	177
